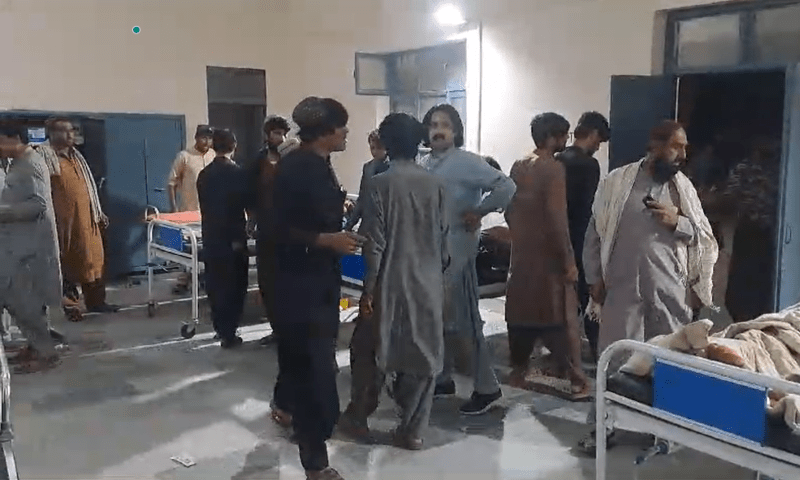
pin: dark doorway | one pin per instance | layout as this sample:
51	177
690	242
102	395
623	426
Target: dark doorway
243	120
735	126
237	100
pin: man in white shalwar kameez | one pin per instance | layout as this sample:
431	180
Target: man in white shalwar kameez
649	252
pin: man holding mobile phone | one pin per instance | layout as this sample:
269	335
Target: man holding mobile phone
647	265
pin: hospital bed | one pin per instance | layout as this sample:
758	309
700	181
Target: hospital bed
488	287
8	463
177	238
700	404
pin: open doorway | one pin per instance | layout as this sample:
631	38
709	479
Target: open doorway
734	122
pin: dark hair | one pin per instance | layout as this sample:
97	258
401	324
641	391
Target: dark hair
50	123
9	129
276	122
491	161
548	125
318	117
374	136
663	132
455	119
593	122
224	141
401	134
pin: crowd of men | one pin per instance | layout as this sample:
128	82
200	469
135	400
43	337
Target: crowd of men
634	252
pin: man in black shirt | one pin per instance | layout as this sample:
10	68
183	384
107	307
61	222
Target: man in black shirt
377	165
583	176
309	208
221	191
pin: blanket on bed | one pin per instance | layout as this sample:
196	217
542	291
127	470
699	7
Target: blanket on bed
769	345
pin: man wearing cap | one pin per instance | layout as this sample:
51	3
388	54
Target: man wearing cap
182	184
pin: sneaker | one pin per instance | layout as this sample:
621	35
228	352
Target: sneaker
445	389
480	403
233	342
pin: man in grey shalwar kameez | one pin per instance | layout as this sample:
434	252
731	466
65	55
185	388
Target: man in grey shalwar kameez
30	277
649	251
474	189
403	301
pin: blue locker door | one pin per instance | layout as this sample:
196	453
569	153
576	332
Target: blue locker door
139	152
638	104
788	268
164	137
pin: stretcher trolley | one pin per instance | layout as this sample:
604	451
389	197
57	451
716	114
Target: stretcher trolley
177	238
700	404
8	463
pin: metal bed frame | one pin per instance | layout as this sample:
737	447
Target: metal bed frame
8	462
156	250
617	411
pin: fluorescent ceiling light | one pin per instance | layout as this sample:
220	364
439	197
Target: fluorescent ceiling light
448	15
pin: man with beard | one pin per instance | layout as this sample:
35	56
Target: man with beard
473	190
649	252
308	212
261	174
583	175
541	300
79	217
182	184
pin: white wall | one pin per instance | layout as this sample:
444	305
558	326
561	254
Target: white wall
538	55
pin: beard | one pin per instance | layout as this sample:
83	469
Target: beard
664	170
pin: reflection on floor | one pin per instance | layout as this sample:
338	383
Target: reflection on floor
125	411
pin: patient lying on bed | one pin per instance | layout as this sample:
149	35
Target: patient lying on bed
769	345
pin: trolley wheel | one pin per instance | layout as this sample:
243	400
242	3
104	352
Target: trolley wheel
188	331
151	309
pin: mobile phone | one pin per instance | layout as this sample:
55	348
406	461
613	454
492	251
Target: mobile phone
648	200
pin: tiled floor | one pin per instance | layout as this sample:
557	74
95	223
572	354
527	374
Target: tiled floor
134	395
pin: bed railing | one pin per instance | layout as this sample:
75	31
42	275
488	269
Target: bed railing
690	361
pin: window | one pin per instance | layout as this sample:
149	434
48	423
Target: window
371	74
416	80
709	41
777	34
737	34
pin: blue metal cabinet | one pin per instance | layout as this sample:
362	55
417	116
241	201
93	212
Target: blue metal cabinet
139	154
